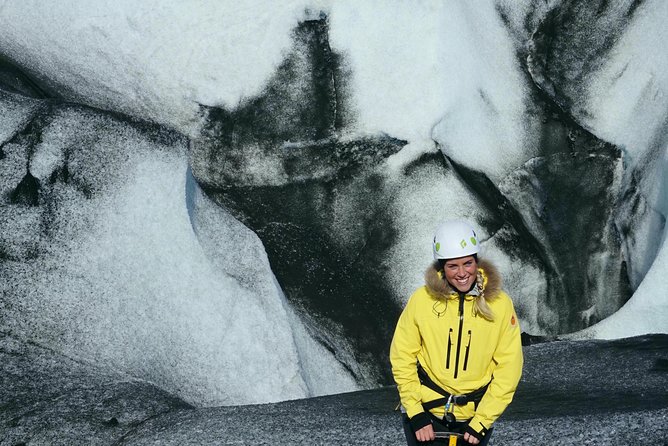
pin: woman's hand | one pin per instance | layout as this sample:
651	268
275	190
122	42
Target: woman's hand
470	438
425	434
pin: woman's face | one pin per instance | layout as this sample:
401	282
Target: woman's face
461	273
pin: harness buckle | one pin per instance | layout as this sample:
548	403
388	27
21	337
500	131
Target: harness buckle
460	400
449	417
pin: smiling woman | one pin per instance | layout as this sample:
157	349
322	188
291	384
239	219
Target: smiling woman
444	356
461	272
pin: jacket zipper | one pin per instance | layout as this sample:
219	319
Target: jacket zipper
447	361
466	355
459	335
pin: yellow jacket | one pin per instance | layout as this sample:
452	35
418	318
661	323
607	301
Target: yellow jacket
458	359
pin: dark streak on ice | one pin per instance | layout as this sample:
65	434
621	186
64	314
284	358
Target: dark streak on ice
15	80
571	43
323	212
26	192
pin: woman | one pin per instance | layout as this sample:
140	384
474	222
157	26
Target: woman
456	353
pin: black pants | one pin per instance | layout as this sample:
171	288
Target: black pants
440	426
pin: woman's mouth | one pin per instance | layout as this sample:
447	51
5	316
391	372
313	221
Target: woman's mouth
462	281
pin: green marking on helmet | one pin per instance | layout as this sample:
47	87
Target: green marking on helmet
438	246
463	243
473	240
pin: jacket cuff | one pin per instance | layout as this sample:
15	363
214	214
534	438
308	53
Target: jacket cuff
477	429
419	421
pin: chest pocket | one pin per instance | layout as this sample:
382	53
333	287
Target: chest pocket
477	347
468	350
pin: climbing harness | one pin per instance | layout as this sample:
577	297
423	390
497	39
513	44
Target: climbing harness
449	400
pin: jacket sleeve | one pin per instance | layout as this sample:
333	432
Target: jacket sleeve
509	360
405	347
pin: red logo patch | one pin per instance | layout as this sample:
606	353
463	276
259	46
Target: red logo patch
513	321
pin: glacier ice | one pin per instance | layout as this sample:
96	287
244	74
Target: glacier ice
470	116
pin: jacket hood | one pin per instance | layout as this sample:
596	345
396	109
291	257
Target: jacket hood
488	275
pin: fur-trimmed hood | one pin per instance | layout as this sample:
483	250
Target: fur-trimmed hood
439	287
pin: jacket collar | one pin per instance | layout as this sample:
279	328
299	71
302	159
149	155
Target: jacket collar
439	287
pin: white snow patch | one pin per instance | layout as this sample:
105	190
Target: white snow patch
628	97
485	121
152	59
422	202
15	110
395	56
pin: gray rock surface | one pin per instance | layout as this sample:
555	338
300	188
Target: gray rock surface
47	398
572	393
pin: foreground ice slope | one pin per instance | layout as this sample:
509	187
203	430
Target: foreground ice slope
104	260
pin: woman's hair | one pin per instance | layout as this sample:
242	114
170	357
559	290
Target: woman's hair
480	304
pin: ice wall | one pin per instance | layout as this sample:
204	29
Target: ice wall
429	111
605	69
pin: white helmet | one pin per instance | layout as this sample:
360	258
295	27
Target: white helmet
453	239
